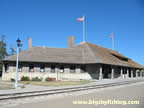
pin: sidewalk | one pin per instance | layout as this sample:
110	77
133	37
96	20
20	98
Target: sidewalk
30	88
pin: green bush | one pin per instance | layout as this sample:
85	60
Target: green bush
36	79
25	78
12	80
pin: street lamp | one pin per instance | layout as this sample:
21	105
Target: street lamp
16	80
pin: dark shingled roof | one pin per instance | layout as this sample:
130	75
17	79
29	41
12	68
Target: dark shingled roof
83	53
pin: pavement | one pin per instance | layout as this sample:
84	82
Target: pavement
131	92
30	88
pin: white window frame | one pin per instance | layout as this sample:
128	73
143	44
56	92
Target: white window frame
62	68
20	68
53	70
31	69
73	70
42	70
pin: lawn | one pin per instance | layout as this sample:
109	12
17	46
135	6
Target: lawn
6	86
56	83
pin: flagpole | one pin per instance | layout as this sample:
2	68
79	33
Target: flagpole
112	41
83	29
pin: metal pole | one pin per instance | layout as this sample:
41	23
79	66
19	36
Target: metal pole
83	28
113	42
16	80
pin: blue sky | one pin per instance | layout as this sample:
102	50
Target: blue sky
50	22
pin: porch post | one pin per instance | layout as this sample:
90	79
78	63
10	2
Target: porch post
3	68
100	74
127	73
136	73
3	71
112	73
57	72
121	74
140	73
131	73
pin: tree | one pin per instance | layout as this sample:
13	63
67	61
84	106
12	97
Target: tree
12	51
3	52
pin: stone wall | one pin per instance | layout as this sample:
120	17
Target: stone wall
91	72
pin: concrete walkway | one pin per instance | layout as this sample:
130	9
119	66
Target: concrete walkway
30	88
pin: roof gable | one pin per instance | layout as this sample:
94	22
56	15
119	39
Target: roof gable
112	57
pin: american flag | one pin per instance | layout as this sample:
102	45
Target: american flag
111	35
80	19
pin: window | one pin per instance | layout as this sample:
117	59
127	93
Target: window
31	68
19	68
83	69
42	68
72	69
6	67
52	68
121	58
61	68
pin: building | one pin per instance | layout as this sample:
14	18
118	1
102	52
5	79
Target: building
84	61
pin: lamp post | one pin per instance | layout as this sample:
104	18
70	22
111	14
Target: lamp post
16	80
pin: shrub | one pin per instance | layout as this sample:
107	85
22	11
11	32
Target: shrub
53	79
36	79
25	78
50	79
12	80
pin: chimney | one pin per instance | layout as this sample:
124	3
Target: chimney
70	41
29	42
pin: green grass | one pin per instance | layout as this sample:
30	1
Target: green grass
56	83
6	86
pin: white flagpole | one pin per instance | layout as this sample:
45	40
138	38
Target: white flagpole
112	41
83	28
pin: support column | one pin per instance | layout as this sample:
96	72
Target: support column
140	73
3	72
131	73
136	73
100	74
57	72
112	73
127	73
121	74
3	68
